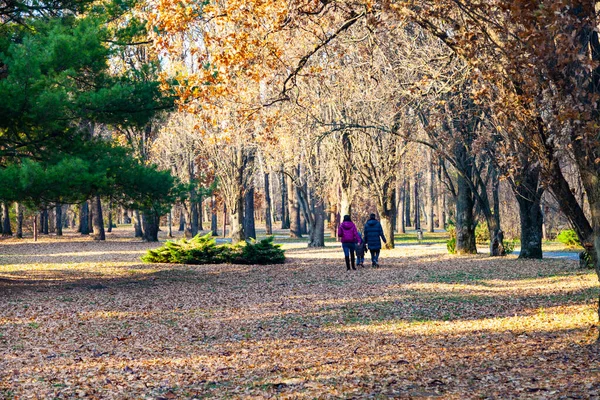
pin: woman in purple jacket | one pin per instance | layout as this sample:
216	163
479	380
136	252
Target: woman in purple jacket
349	237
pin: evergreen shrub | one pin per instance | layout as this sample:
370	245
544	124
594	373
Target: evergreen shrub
204	250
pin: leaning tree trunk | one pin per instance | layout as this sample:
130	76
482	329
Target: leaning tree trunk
249	225
59	219
465	221
98	219
268	213
151	222
19	220
6	229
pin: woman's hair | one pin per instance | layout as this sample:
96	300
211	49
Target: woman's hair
347	218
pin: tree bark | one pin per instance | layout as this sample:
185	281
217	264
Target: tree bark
417	218
249	223
181	221
465	221
431	197
45	226
346	200
294	210
151	221
19	220
199	207
90	217
59	219
98	219
285	216
170	223
268	214
316	237
137	224
237	221
402	208
213	215
35	227
84	227
6	229
110	216
407	193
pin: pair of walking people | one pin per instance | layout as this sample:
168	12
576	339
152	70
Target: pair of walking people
354	245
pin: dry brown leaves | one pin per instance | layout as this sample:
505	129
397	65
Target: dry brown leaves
86	319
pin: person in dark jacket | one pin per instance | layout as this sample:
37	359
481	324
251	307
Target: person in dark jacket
371	235
349	237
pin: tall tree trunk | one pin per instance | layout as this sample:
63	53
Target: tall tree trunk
19	220
213	215
416	204
84	227
35	227
59	219
170	223
6	229
181	221
137	224
402	208
224	220
334	218
294	210
431	197
496	234
200	206
285	215
193	217
90	216
126	217
385	208
249	223
465	221
98	219
151	221
530	212
407	194
237	220
346	198
268	215
110	216
45	226
441	201
316	236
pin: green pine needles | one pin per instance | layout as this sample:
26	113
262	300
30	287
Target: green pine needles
204	250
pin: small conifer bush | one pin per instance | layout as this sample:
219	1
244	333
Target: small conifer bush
204	250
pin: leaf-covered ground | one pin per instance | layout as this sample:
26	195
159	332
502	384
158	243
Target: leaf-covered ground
85	319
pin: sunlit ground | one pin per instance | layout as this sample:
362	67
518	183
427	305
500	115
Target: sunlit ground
88	319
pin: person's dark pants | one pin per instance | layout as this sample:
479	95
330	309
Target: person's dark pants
349	254
375	256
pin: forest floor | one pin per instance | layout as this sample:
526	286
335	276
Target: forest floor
85	319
